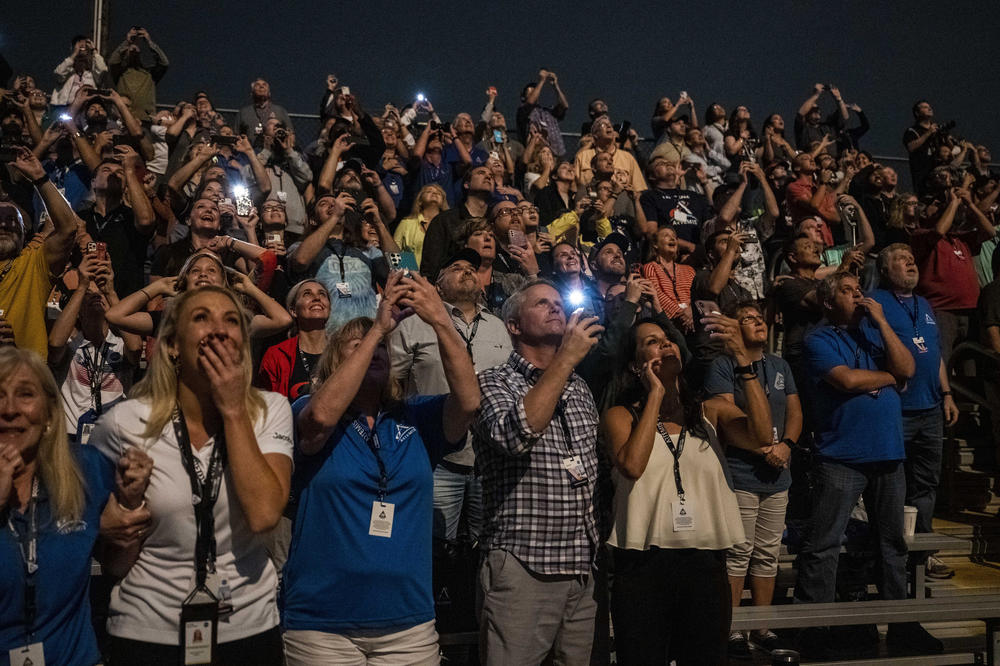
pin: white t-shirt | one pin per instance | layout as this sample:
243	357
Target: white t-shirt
74	373
146	604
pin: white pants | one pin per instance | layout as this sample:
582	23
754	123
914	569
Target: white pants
417	646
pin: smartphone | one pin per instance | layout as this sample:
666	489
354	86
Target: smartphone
222	140
121	140
103	92
497	136
403	261
102	251
708	308
272	237
345	90
635	268
65	117
243	204
518	238
91	247
542	229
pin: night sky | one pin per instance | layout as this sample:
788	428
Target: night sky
883	55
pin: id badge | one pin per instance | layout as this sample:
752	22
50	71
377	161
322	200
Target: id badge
199	625
918	342
683	516
343	290
223	592
85	426
28	655
577	475
381	522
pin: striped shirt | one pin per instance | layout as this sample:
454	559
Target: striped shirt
532	509
673	288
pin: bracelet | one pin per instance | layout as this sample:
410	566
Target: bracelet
41	180
790	442
744	369
748	377
146	294
128	510
944	393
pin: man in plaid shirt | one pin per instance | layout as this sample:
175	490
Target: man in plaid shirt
535	443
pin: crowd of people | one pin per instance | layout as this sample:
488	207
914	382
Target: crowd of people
616	375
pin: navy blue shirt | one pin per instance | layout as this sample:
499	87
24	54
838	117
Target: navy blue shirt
852	427
912	318
749	470
452	157
684	210
62	622
338	576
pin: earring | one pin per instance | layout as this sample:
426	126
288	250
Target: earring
176	362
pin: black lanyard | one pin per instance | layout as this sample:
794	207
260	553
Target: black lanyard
763	372
676	451
204	494
472	335
95	373
340	258
914	316
28	547
371	439
305	361
561	411
673	281
854	344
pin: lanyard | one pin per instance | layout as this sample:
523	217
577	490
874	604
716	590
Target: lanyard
676	451
204	494
673	280
28	547
340	258
763	371
94	363
305	360
371	439
914	316
472	334
561	411
852	343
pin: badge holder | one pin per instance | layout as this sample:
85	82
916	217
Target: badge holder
199	625
574	468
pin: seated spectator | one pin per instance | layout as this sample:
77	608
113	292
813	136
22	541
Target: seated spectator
668	517
205	233
253	118
29	271
355	415
671	279
760	482
512	258
83	68
289	367
55	497
93	365
199	381
668	204
135	76
537	433
586	223
410	232
810	125
532	113
417	363
441	238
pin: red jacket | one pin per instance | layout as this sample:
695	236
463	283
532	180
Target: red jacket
276	369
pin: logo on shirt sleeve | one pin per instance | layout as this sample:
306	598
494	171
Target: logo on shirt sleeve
779	382
929	319
402	432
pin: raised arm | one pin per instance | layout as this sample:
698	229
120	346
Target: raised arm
59	243
723	269
899	360
631	442
811	100
314	242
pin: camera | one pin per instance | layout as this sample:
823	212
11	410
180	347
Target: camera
280	134
947	127
222	140
443	127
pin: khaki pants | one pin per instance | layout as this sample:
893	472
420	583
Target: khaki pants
414	646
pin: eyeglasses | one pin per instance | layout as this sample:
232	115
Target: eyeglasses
751	319
528	209
508	212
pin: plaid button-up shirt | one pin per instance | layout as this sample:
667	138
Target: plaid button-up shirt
532	509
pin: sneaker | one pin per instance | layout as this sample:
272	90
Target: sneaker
739	648
766	641
909	638
938	569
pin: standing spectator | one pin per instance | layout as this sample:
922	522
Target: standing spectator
795	299
944	252
83	68
922	140
810	126
576	288
417	363
556	198
673	147
760	480
716	126
537	433
196	403
287	172
668	204
252	118
441	238
358	579
776	146
811	194
134	78
606	141
289	367
927	402
855	374
26	277
672	280
546	119
675	515
989	321
410	231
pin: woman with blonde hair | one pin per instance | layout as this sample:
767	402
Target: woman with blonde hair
409	236
203	268
222	456
53	496
357	585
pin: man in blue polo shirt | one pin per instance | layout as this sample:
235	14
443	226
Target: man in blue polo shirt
856	371
927	401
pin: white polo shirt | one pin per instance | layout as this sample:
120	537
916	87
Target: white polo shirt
146	604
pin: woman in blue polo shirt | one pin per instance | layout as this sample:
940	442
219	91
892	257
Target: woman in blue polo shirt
52	495
358	578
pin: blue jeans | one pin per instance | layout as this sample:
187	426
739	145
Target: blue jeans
923	434
456	492
837	488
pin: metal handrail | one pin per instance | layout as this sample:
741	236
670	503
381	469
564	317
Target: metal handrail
960	385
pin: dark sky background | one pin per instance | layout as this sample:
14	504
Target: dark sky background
883	55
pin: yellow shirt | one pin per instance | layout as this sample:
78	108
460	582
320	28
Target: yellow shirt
559	229
24	292
409	235
622	161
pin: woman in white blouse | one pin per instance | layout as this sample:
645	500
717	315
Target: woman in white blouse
674	512
222	462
